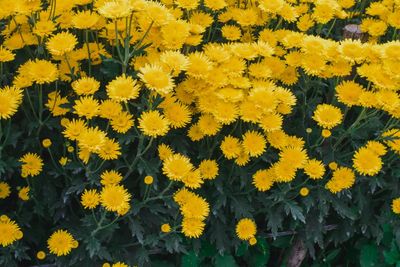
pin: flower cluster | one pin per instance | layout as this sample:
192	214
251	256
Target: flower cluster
127	117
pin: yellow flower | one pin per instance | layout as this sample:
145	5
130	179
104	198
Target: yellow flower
264	179
176	167
73	128
46	143
41	255
155	78
85	19
86	86
231	33
91	139
396	205
333	165
44	27
63	161
90	199
31	164
110	177
148	180
304	191
165	228
208	169
110	150
10	99
254	143
392	139
23	193
55	102
367	162
153	124
164	151
349	92
87	106
42	71
326	133
195	207
6	55
315	169
246	228
115	9
192	228
187	4
61	242
122	122
123	88
327	116
4	190
343	178
109	109
294	156
177	114
114	198
252	241
61	43
208	125
231	147
10	231
284	171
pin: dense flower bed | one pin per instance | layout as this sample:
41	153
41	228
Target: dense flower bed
132	131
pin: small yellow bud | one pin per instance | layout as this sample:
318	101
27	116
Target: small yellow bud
252	241
333	166
165	228
304	191
41	255
148	180
326	133
309	130
46	143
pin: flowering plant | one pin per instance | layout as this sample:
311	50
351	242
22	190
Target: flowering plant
136	131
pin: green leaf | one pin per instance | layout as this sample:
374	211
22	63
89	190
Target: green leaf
190	260
332	255
369	256
296	212
225	261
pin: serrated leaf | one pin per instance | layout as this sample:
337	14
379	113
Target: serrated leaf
369	255
190	260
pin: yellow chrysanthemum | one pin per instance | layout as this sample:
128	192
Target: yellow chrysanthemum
87	107
294	156
208	169
61	43
115	9
43	71
195	207
73	128
23	193
110	150
177	166
122	122
177	114
86	86
192	228
396	205
4	190
164	151
10	99
10	231
254	143
110	177
85	19
6	55
263	180
315	169
155	78
31	164
246	228
153	124
342	178
231	147
91	139
114	198
90	199
61	243
327	116
123	88
367	162
349	92
193	179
